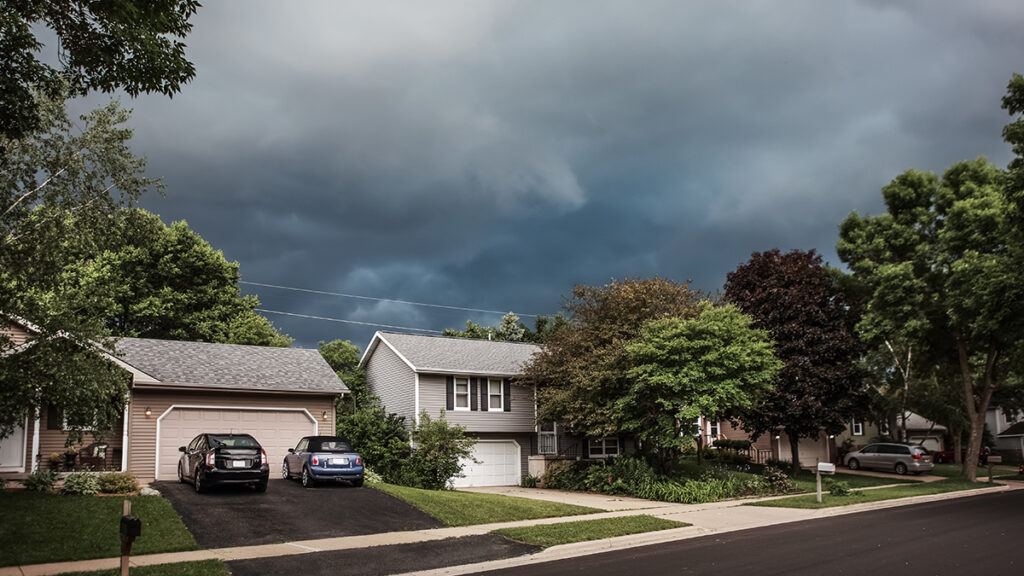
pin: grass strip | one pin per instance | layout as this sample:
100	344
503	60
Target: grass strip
584	530
806	482
202	568
39	528
469	508
827	500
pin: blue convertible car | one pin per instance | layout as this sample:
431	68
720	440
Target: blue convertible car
321	459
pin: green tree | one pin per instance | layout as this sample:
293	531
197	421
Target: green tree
343	357
797	300
440	453
944	269
132	45
582	372
512	329
708	365
380	438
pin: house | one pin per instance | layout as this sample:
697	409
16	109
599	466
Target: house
1008	432
179	389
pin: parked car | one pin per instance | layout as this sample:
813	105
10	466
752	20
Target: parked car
321	459
900	458
212	459
947	455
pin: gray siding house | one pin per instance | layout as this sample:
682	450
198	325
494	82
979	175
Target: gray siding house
473	383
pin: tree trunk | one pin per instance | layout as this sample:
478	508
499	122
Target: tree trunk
958	445
700	449
970	468
794	448
976	403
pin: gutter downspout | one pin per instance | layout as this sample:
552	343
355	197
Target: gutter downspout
124	438
35	443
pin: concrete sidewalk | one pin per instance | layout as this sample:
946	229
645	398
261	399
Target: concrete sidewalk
716	517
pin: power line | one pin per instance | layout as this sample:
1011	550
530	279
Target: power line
343	295
347	321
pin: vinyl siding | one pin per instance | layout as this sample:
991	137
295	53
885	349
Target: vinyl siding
142	430
17	335
51	441
393	382
520	419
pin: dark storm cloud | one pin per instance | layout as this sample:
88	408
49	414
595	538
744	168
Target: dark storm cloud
493	154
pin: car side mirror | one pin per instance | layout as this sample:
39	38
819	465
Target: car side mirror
181	448
291	450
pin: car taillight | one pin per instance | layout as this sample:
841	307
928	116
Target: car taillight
915	456
359	460
316	461
263	457
209	459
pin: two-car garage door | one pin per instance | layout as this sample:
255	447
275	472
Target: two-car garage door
498	464
275	430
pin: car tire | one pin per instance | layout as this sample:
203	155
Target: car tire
197	482
285	472
357	483
181	474
307	478
853	464
261	486
901	468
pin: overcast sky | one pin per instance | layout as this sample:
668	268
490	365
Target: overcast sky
493	154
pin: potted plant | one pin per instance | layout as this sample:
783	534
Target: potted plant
69	458
56	460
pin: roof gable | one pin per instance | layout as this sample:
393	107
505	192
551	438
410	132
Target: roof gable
448	355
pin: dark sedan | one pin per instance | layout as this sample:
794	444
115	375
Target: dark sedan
323	458
212	459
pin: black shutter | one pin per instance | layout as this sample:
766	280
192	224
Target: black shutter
449	389
472	393
508	394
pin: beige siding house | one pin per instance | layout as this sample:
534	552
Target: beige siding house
179	389
472	382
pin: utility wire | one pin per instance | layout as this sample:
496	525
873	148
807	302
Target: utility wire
347	321
343	295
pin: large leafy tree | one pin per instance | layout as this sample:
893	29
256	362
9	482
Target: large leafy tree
798	301
944	270
707	365
583	370
132	45
511	329
343	357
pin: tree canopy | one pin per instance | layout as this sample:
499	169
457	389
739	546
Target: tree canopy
944	270
132	45
343	357
511	329
797	300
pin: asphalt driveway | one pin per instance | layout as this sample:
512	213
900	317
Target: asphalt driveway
239	516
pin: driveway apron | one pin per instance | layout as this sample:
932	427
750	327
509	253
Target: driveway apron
238	516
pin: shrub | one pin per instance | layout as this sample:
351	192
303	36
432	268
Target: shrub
379	437
371	476
529	481
565	475
772	481
835	487
118	483
3	483
81	484
732	444
439	453
41	480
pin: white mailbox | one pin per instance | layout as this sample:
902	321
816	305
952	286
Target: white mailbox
826	468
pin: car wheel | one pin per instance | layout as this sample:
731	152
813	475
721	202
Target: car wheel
197	481
901	468
285	472
357	483
853	464
307	479
181	474
261	486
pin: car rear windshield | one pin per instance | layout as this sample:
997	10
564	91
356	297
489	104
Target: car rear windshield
329	446
233	441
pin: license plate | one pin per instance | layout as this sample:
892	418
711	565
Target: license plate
238	463
339	461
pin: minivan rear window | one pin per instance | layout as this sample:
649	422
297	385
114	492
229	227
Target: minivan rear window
233	441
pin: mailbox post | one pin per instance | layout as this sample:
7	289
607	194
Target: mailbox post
823	468
992	459
131	528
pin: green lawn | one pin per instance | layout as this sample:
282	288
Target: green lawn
204	568
954	470
828	501
40	528
584	530
806	482
468	508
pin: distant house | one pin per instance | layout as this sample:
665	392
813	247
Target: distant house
179	389
1008	432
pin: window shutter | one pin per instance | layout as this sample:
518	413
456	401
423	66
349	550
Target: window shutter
472	393
508	395
449	388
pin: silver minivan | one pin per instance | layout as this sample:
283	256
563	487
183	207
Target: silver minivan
900	458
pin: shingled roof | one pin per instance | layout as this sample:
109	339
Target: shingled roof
230	366
447	355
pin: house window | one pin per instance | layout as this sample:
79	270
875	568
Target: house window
495	398
857	428
713	429
547	439
461	393
604	447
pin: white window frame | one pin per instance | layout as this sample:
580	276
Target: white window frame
500	395
553	434
713	429
456	394
857	428
603	444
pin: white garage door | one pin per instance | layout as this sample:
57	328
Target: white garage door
275	430
499	465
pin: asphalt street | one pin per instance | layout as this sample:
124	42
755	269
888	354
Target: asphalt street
981	535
